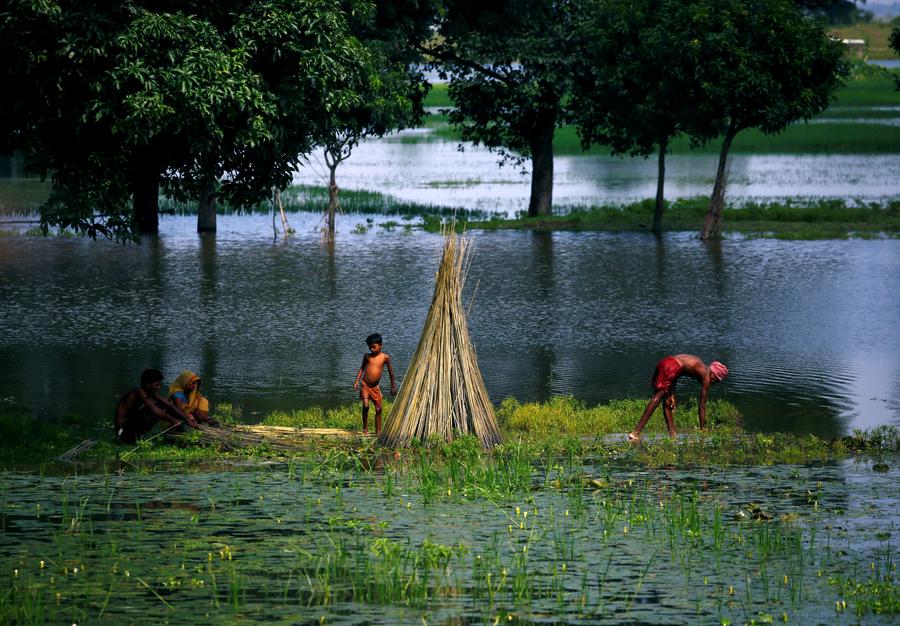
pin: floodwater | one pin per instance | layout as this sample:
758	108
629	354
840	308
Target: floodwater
807	328
415	167
296	544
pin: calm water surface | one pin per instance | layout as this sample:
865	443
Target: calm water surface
414	167
807	328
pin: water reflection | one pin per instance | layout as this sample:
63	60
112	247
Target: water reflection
434	171
807	328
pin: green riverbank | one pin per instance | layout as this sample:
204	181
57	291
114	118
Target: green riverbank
544	529
825	219
560	426
822	219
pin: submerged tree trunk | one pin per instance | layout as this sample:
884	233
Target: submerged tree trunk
712	225
206	211
333	205
660	185
145	198
541	202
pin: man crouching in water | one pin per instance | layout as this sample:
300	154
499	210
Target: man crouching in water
140	408
667	372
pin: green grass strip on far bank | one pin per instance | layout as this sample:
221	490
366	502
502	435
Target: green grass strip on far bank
856	111
822	219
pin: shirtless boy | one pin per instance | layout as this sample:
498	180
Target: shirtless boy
368	379
140	408
667	373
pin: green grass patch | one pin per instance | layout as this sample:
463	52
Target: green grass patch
822	219
438	96
22	196
800	138
532	430
310	199
564	415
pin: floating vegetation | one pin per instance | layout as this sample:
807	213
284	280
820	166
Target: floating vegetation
717	527
450	533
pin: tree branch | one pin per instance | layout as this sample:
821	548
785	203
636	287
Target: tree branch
448	56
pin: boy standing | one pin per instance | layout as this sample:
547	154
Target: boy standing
368	379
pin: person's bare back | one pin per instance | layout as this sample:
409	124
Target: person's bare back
667	373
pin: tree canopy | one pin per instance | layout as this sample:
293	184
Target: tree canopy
510	70
631	91
752	64
390	88
120	98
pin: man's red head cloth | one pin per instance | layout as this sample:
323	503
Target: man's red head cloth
718	370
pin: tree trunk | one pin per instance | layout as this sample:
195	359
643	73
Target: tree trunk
541	202
206	210
145	198
660	185
712	225
331	212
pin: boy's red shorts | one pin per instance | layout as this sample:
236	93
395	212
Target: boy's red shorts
371	393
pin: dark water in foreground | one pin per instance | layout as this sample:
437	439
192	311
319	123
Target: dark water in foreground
807	328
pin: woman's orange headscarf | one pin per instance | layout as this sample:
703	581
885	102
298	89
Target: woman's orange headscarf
195	400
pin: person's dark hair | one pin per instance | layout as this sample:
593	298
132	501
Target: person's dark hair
151	376
372	339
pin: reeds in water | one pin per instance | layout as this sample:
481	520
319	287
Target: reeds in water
443	393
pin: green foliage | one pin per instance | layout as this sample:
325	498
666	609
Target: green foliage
136	91
347	416
564	415
510	70
630	93
25	440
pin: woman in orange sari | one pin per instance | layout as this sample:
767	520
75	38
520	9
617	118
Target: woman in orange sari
184	392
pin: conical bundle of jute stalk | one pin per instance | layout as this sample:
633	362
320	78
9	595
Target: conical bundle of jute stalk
443	393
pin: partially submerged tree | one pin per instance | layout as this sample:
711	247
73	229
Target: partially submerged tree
389	90
756	64
510	67
128	96
630	91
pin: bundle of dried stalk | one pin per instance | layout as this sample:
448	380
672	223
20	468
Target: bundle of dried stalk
443	393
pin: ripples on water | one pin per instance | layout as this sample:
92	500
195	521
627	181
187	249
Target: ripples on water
807	328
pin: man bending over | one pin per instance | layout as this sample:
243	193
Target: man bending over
667	373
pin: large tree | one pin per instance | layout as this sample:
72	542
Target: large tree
122	98
630	91
755	64
510	67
